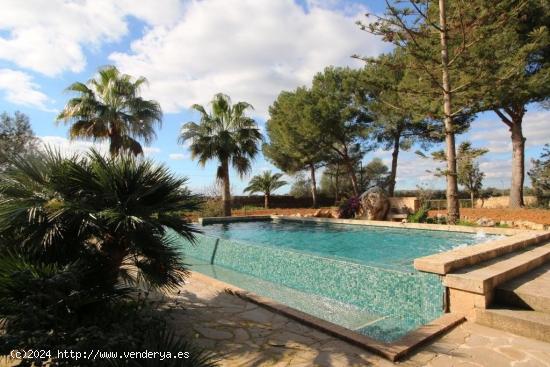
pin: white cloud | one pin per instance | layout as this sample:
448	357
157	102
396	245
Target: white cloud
249	49
71	147
20	89
177	156
50	36
536	129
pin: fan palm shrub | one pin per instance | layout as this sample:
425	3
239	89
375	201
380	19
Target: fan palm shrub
63	209
82	241
224	134
265	183
110	107
51	307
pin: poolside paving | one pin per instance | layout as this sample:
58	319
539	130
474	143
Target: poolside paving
245	334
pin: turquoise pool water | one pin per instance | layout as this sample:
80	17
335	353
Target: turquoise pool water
391	248
360	277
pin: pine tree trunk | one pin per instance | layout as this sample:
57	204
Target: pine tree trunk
518	164
393	173
226	194
453	211
266	201
313	185
353	178
336	184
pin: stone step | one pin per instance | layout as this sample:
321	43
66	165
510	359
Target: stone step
531	324
450	261
484	277
530	291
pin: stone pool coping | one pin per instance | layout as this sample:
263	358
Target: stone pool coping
392	351
364	222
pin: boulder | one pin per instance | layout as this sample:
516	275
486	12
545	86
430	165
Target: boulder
374	204
485	222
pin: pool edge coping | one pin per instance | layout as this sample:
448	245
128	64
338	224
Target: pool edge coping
391	351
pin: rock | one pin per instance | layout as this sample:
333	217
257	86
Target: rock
326	213
374	204
404	221
485	222
524	224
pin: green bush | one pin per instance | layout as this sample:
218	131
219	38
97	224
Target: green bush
420	216
212	208
80	238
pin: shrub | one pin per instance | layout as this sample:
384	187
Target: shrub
350	207
420	216
212	208
80	238
540	177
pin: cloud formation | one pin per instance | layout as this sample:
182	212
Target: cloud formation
536	129
249	49
177	156
50	37
69	147
19	89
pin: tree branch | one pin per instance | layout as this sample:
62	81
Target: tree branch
504	118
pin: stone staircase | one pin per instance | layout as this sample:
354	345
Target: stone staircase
521	305
504	283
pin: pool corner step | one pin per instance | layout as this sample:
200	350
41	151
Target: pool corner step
530	291
483	278
527	323
454	260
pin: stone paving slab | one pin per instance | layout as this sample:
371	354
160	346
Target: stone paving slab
245	334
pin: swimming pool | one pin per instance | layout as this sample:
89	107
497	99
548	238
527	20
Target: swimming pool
360	277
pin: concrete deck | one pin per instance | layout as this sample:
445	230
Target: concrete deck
248	335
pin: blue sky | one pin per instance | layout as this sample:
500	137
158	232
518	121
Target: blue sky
189	50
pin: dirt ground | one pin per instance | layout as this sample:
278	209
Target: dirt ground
541	216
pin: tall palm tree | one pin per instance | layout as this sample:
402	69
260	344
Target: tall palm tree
109	107
266	183
225	134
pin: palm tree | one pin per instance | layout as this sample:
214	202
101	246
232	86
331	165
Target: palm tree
266	183
119	210
109	107
225	134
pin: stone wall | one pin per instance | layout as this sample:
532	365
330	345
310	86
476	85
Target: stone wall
410	203
499	202
279	201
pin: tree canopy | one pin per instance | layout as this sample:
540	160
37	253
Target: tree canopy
265	183
16	137
341	96
294	134
110	107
